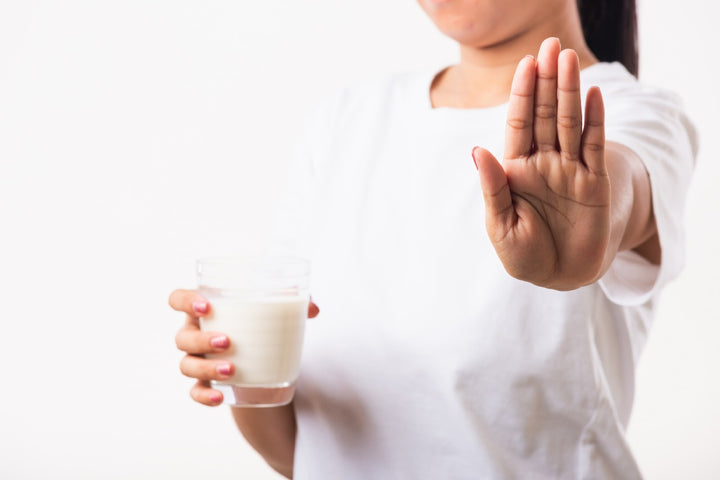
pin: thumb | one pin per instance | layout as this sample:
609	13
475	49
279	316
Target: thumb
500	214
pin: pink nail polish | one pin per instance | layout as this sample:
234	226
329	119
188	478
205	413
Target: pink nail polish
219	342
224	369
216	397
200	306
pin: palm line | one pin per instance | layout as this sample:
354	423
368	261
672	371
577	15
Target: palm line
527	160
567	198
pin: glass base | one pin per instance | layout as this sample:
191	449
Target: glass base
257	396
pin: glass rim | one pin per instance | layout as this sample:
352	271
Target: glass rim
253	261
227	268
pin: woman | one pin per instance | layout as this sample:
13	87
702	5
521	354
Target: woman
468	334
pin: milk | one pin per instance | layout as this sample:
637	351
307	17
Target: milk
266	336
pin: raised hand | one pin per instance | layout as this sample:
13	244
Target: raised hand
548	205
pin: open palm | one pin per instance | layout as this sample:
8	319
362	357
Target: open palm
548	205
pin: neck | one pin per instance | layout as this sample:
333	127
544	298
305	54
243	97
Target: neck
484	75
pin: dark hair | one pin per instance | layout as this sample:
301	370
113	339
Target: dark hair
610	29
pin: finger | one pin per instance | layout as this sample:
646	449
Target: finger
202	393
544	124
205	368
188	301
191	339
569	114
593	137
518	131
500	215
313	310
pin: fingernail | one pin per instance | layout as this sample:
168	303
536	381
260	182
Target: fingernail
224	369
220	342
473	156
200	306
531	57
216	397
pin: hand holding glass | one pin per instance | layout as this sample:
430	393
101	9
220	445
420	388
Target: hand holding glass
261	305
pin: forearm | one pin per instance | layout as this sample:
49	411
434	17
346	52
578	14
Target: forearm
632	223
271	432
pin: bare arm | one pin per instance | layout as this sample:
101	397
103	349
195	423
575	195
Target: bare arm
632	222
271	432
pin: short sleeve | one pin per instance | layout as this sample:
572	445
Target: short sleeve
651	122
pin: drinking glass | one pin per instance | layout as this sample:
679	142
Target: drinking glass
261	304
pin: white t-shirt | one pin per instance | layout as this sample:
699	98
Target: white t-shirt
428	361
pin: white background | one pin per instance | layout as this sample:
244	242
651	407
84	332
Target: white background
137	135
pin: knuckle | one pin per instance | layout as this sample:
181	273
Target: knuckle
594	147
569	90
544	111
188	297
179	339
195	394
184	368
198	368
517	123
569	155
185	339
568	121
202	341
208	372
181	300
172	299
521	96
545	76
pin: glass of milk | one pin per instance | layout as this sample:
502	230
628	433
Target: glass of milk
261	304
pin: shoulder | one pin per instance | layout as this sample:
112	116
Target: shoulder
617	83
623	92
633	105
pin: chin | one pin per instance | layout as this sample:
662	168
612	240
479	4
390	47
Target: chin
474	34
466	21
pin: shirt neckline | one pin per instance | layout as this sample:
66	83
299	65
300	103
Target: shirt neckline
429	77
